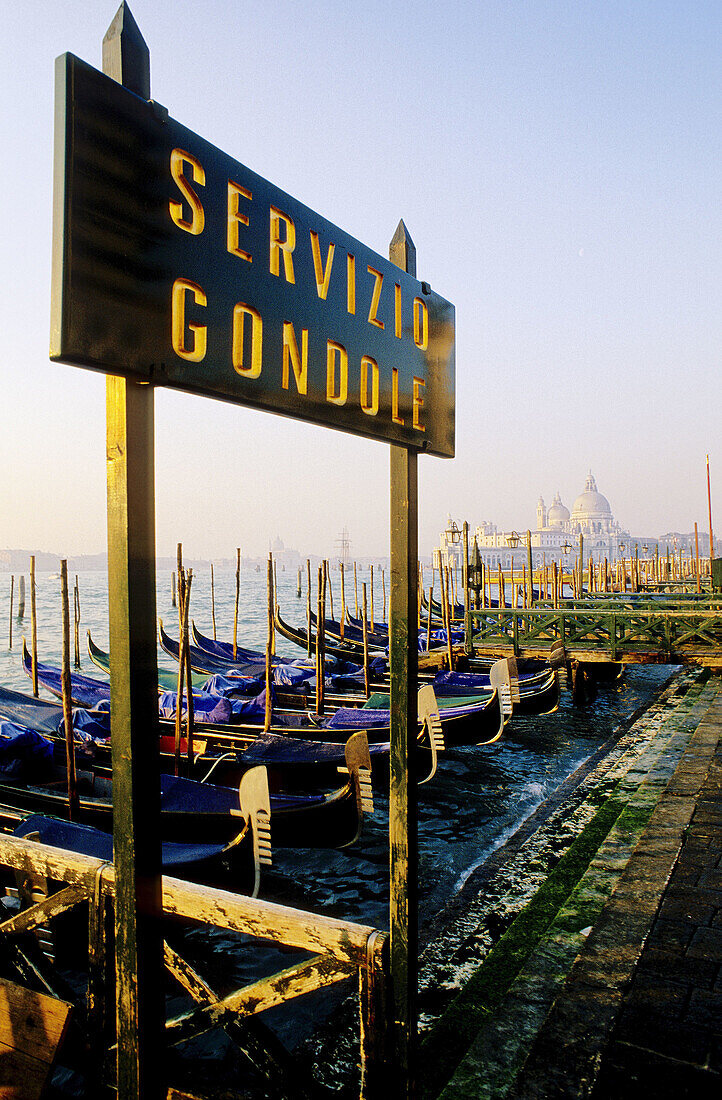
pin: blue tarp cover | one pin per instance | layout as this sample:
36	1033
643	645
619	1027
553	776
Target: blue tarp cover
92	842
25	755
206	707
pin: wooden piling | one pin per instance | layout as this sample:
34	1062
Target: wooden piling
327	574
372	597
383	589
709	506
12	597
172	589
21	598
298	584
213	602
447	616
190	714
76	620
696	554
73	805
268	713
179	682
308	608
428	622
343	598
365	634
319	651
237	599
34	627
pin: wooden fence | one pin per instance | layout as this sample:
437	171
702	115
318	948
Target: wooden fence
600	634
337	950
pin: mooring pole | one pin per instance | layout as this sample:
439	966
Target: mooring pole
403	665
709	506
140	1009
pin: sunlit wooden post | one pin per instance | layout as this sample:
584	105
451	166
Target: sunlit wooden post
134	682
33	627
403	654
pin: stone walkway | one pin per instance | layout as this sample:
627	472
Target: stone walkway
623	995
641	1009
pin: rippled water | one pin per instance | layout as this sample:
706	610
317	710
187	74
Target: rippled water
477	799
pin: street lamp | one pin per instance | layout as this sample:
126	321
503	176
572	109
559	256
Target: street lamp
566	548
513	539
453	531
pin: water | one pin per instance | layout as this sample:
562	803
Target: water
475	802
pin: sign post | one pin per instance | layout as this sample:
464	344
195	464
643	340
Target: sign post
140	1010
176	265
403	661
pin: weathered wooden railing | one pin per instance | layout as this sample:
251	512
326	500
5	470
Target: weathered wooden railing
338	950
601	634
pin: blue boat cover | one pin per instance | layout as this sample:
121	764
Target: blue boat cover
24	753
92	842
449	682
356	718
189	796
230	687
206	707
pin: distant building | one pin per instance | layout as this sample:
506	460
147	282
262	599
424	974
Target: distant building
556	537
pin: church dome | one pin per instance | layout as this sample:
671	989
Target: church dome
558	514
591	502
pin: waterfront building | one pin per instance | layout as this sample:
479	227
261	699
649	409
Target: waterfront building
556	536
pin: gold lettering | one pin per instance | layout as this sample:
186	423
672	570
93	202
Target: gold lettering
378	283
195	353
351	283
421	324
418	403
290	353
177	160
369	406
285	245
240	311
322	277
397	309
235	191
336	351
395	397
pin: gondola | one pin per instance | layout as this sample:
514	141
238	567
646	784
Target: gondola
204	852
91	693
203	812
167	681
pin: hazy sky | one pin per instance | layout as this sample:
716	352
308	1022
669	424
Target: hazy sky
558	166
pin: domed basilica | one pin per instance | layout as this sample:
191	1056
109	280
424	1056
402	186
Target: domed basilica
557	532
591	517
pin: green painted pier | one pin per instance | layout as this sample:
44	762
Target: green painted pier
593	939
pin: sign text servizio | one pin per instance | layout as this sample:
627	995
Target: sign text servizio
175	264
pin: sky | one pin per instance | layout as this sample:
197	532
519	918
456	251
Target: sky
558	167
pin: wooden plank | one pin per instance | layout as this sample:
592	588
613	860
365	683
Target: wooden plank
45	910
306	977
32	1027
263	919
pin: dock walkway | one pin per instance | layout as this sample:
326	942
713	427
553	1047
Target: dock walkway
621	992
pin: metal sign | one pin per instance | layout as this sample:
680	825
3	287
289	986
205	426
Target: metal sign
177	265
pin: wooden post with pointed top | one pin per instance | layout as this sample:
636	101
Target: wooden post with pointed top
140	1009
67	697
33	627
403	666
